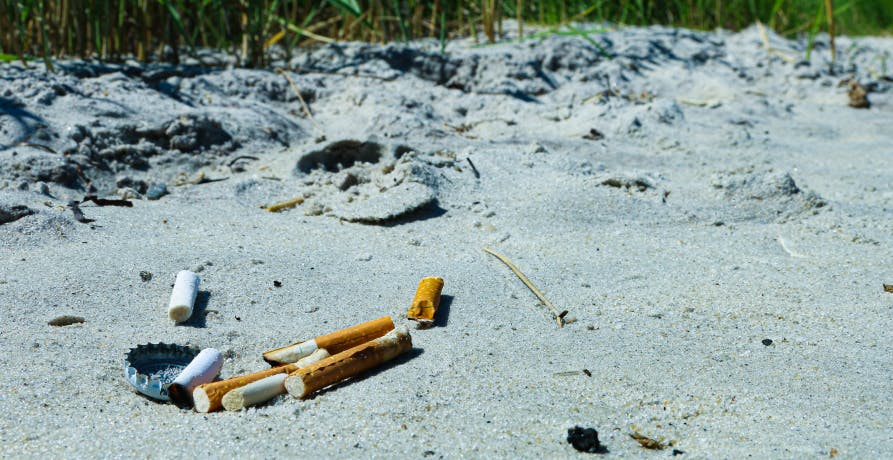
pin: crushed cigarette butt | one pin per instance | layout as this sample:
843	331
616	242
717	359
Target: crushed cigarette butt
427	299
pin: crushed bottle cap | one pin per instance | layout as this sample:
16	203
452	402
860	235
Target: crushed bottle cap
151	368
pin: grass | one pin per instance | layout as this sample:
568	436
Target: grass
162	29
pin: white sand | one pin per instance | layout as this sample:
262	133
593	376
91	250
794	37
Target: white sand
735	197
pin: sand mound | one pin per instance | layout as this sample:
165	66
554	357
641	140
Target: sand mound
368	182
763	196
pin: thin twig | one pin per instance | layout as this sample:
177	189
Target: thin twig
241	157
105	202
294	88
474	170
339	74
36	146
287	204
559	316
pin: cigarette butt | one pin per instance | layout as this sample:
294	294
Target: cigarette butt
203	369
209	397
426	300
266	388
336	342
183	296
349	363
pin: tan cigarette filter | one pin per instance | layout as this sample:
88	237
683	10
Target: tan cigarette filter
336	342
349	363
427	299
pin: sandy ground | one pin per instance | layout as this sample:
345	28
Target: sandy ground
684	195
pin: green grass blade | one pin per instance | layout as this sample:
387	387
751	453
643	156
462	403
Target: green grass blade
348	6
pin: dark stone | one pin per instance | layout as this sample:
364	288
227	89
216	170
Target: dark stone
767	342
584	439
12	213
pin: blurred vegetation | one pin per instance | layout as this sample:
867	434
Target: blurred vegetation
116	29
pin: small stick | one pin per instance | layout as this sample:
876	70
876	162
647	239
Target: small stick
203	369
105	202
36	146
294	89
338	74
336	342
287	204
256	389
241	157
559	317
348	363
474	170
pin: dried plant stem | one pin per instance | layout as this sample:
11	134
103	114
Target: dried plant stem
559	316
287	204
303	104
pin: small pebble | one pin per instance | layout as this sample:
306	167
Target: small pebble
767	342
65	320
277	283
584	439
156	191
145	276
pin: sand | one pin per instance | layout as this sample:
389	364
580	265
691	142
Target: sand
687	197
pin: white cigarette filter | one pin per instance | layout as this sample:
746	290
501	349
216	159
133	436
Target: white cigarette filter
349	363
203	369
265	389
183	296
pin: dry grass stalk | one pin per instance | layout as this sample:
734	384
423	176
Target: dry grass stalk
282	205
559	316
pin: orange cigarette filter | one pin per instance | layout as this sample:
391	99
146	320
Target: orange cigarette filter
427	299
349	363
334	343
